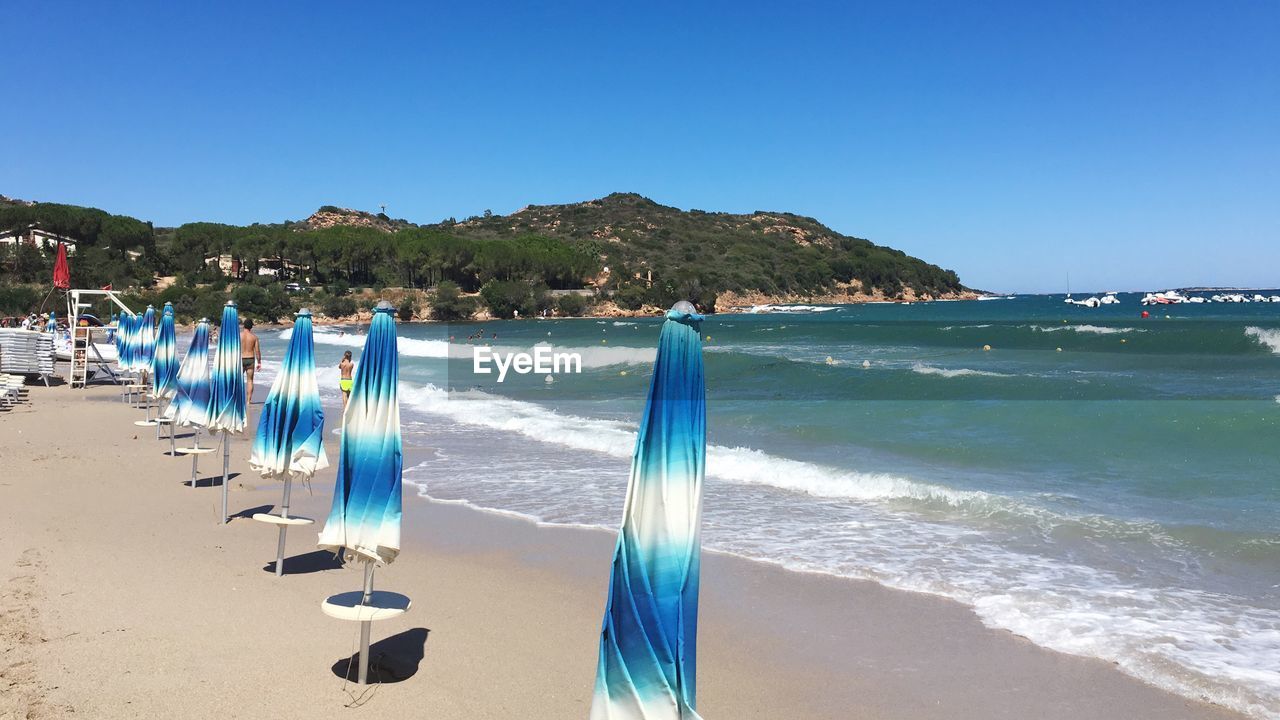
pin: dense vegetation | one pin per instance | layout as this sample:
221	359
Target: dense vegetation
634	251
773	253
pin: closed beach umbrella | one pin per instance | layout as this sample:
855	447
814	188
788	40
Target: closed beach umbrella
132	338
190	406
164	363
52	325
132	324
647	662
122	341
61	269
226	401
290	436
146	350
289	443
365	517
146	339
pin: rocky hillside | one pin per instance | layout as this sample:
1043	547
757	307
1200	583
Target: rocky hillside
330	216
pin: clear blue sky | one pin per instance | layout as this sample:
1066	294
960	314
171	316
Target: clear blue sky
1132	144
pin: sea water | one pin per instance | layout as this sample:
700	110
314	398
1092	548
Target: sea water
1102	484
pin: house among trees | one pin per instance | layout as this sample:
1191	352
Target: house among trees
35	236
274	267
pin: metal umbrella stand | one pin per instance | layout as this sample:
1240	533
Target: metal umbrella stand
226	465
365	607
195	451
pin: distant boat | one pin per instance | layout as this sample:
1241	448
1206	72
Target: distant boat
1168	297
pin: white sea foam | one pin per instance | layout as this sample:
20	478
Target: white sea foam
1090	329
734	464
1265	336
923	369
791	309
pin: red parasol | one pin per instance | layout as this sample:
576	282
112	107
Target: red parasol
61	271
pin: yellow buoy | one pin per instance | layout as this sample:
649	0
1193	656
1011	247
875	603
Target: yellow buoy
623	373
604	342
1059	349
986	348
1123	340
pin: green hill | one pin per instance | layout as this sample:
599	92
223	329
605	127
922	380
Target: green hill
772	253
625	248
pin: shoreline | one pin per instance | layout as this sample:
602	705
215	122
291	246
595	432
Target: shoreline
120	578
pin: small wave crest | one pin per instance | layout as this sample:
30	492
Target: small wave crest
1088	329
1270	337
791	309
923	369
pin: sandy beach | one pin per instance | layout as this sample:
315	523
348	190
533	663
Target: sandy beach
121	596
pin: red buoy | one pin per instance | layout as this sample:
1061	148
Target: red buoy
1146	314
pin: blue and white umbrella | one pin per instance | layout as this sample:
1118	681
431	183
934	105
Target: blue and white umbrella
146	340
289	443
190	406
133	343
124	342
226	401
142	360
164	363
647	664
365	517
290	436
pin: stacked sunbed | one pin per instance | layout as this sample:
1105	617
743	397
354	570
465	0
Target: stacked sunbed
11	390
24	352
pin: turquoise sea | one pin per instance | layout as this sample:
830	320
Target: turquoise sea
1099	483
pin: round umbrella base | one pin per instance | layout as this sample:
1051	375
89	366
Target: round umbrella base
195	450
382	605
277	520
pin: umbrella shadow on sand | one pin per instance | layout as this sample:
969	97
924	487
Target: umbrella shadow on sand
391	660
248	513
210	481
314	561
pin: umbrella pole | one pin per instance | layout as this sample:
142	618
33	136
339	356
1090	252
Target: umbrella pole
195	456
284	513
363	677
226	463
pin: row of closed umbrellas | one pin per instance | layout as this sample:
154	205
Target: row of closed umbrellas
647	660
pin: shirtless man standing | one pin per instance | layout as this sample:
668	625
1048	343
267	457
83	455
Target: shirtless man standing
250	356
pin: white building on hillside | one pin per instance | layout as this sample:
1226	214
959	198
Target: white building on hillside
35	236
